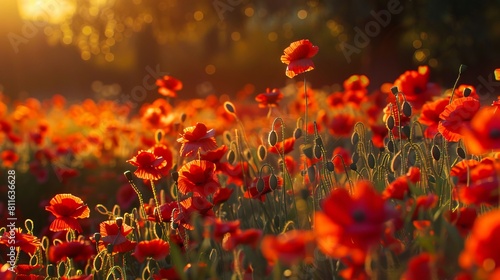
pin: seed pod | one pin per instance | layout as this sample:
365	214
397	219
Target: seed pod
394	90
97	237
308	151
183	117
231	156
51	270
330	166
175	175
355	157
461	152
318	141
353	166
174	225
406	131
436	152
467	92
261	152
229	107
128	175
227	135
407	109
390	146
390	122
273	182
260	185
354	138
371	161
297	133
159	135
311	173
248	154
317	151
119	221
431	179
272	139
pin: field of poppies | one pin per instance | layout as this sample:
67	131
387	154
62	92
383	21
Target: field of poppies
291	183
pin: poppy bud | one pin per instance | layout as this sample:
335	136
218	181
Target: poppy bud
330	166
273	182
128	175
260	185
355	157
297	133
248	154
318	141
227	135
175	175
462	68
407	109
119	221
371	161
97	237
311	173
467	92
261	152
229	107
317	151
394	90
109	248
436	152
461	152
308	151
353	166
159	135
231	156
354	138
390	146
406	130
390	122
183	117
272	138
51	271
174	225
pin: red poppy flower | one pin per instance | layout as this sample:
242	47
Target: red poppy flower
397	189
480	191
430	116
75	250
349	225
289	248
215	155
162	151
283	146
457	115
249	237
78	277
167	273
9	158
459	92
463	219
67	208
270	98
168	86
342	125
165	210
355	91
422	266
26	242
195	205
117	236
222	195
254	192
298	57
336	100
6	273
216	228
149	166
416	88
156	249
483	133
482	249
198	176
413	174
197	137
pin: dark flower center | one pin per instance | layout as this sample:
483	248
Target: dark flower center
495	133
358	216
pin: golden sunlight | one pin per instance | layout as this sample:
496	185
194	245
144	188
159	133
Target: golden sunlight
50	11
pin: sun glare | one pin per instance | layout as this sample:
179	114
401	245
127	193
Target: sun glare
51	11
